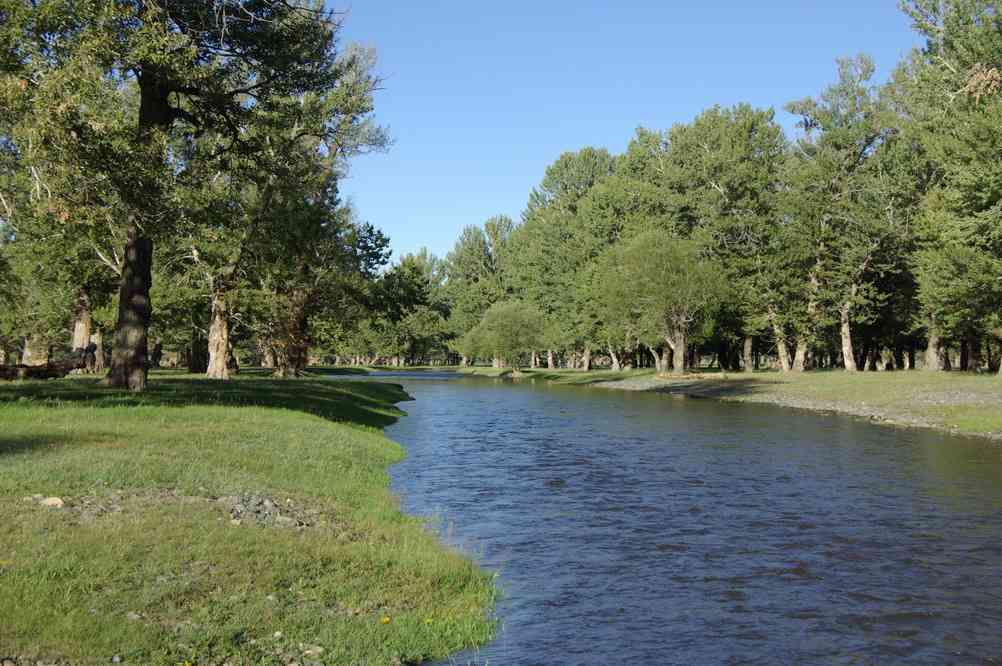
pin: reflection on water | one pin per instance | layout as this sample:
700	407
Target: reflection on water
636	529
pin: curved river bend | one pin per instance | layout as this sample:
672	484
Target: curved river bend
635	529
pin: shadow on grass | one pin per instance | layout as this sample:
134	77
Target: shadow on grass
713	387
360	403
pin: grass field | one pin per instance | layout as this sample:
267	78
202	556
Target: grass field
246	522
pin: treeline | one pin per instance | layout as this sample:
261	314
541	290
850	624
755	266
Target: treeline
186	155
871	241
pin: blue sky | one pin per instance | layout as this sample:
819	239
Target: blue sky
480	97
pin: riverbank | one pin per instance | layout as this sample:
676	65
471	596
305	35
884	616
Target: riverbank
208	522
960	403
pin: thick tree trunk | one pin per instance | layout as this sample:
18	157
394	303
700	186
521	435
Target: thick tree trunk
965	356
934	351
535	360
782	351
977	360
130	354
464	362
748	354
36	352
848	354
680	353
551	361
268	355
800	357
910	358
219	339
616	366
586	358
82	323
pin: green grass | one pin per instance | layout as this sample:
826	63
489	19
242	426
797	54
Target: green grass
146	562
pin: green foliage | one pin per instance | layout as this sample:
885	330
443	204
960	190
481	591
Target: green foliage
508	331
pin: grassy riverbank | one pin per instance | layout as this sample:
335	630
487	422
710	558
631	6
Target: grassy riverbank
243	522
956	402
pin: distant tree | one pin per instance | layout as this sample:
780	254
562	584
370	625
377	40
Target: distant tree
845	227
477	272
508	331
675	287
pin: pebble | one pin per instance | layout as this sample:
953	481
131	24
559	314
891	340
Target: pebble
8	662
133	616
52	502
116	659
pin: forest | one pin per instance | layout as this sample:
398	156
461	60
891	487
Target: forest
169	197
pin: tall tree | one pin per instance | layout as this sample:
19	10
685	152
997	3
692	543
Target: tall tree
194	71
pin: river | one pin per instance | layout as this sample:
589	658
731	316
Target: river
633	528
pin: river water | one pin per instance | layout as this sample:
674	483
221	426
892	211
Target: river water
637	529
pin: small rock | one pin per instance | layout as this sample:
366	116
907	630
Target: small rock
268	504
235	521
313	651
133	616
8	662
286	521
52	502
116	659
270	597
278	634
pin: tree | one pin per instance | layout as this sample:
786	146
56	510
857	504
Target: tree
476	272
193	71
844	224
951	91
508	331
675	287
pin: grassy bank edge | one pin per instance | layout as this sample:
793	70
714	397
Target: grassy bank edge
146	562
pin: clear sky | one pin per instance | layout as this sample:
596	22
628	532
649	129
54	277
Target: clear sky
481	96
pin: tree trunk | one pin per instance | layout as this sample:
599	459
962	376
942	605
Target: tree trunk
965	356
616	366
268	356
977	361
873	354
36	352
910	358
198	353
782	351
219	338
586	358
129	357
535	360
748	354
657	359
800	358
934	351
679	346
82	323
848	355
551	362
100	362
